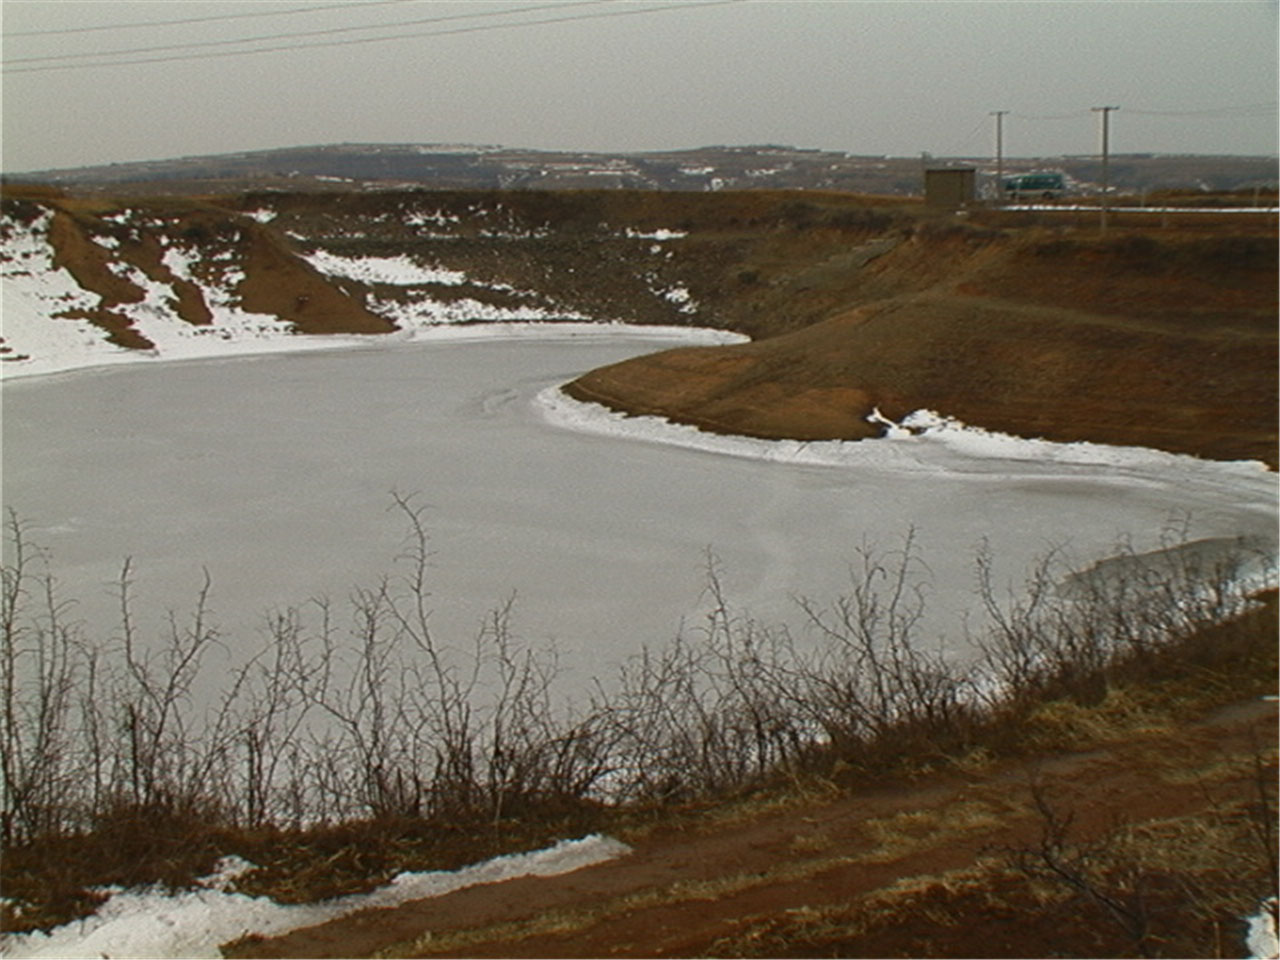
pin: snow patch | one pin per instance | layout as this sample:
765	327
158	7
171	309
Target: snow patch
34	295
437	219
1261	938
399	271
422	312
681	297
151	923
662	234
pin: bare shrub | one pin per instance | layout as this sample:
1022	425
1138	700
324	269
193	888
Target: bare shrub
1169	887
1064	634
872	680
362	712
40	672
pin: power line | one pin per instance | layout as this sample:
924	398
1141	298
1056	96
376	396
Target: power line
1243	110
969	137
686	5
328	31
60	31
1226	112
1060	116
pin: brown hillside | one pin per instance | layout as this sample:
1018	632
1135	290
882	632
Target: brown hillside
1162	332
1136	338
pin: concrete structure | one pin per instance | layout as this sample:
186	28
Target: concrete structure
950	187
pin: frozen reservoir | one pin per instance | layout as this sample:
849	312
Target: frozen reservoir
275	474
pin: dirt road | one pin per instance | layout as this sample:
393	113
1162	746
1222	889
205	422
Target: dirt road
718	886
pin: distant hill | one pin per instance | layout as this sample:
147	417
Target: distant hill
470	167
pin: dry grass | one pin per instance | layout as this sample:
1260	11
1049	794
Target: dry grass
1198	876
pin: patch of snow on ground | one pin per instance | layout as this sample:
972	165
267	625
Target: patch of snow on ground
438	219
928	426
682	298
1261	938
661	234
398	271
427	312
262	216
193	923
156	317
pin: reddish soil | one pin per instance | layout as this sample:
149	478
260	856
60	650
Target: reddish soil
749	883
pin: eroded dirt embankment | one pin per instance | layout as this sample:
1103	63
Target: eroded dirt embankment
1160	333
1167	342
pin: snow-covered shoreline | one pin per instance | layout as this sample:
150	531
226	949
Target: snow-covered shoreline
213	348
922	441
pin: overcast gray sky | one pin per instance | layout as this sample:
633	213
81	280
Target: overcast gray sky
896	78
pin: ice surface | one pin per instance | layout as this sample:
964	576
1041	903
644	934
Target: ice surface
275	473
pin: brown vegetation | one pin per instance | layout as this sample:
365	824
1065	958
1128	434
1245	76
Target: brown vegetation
1162	340
415	765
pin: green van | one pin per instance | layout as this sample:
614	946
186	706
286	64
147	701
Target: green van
1045	186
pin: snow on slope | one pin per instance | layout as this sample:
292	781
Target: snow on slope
192	923
401	270
39	338
34	292
36	295
420	308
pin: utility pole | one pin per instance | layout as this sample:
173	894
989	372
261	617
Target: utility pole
999	115
1106	182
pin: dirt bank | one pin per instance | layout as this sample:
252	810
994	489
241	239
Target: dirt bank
1162	341
1162	332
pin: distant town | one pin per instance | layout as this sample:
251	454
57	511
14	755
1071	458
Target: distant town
471	167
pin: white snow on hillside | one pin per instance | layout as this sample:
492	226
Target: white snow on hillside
40	341
35	294
660	234
681	297
419	309
425	312
193	923
437	219
400	271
